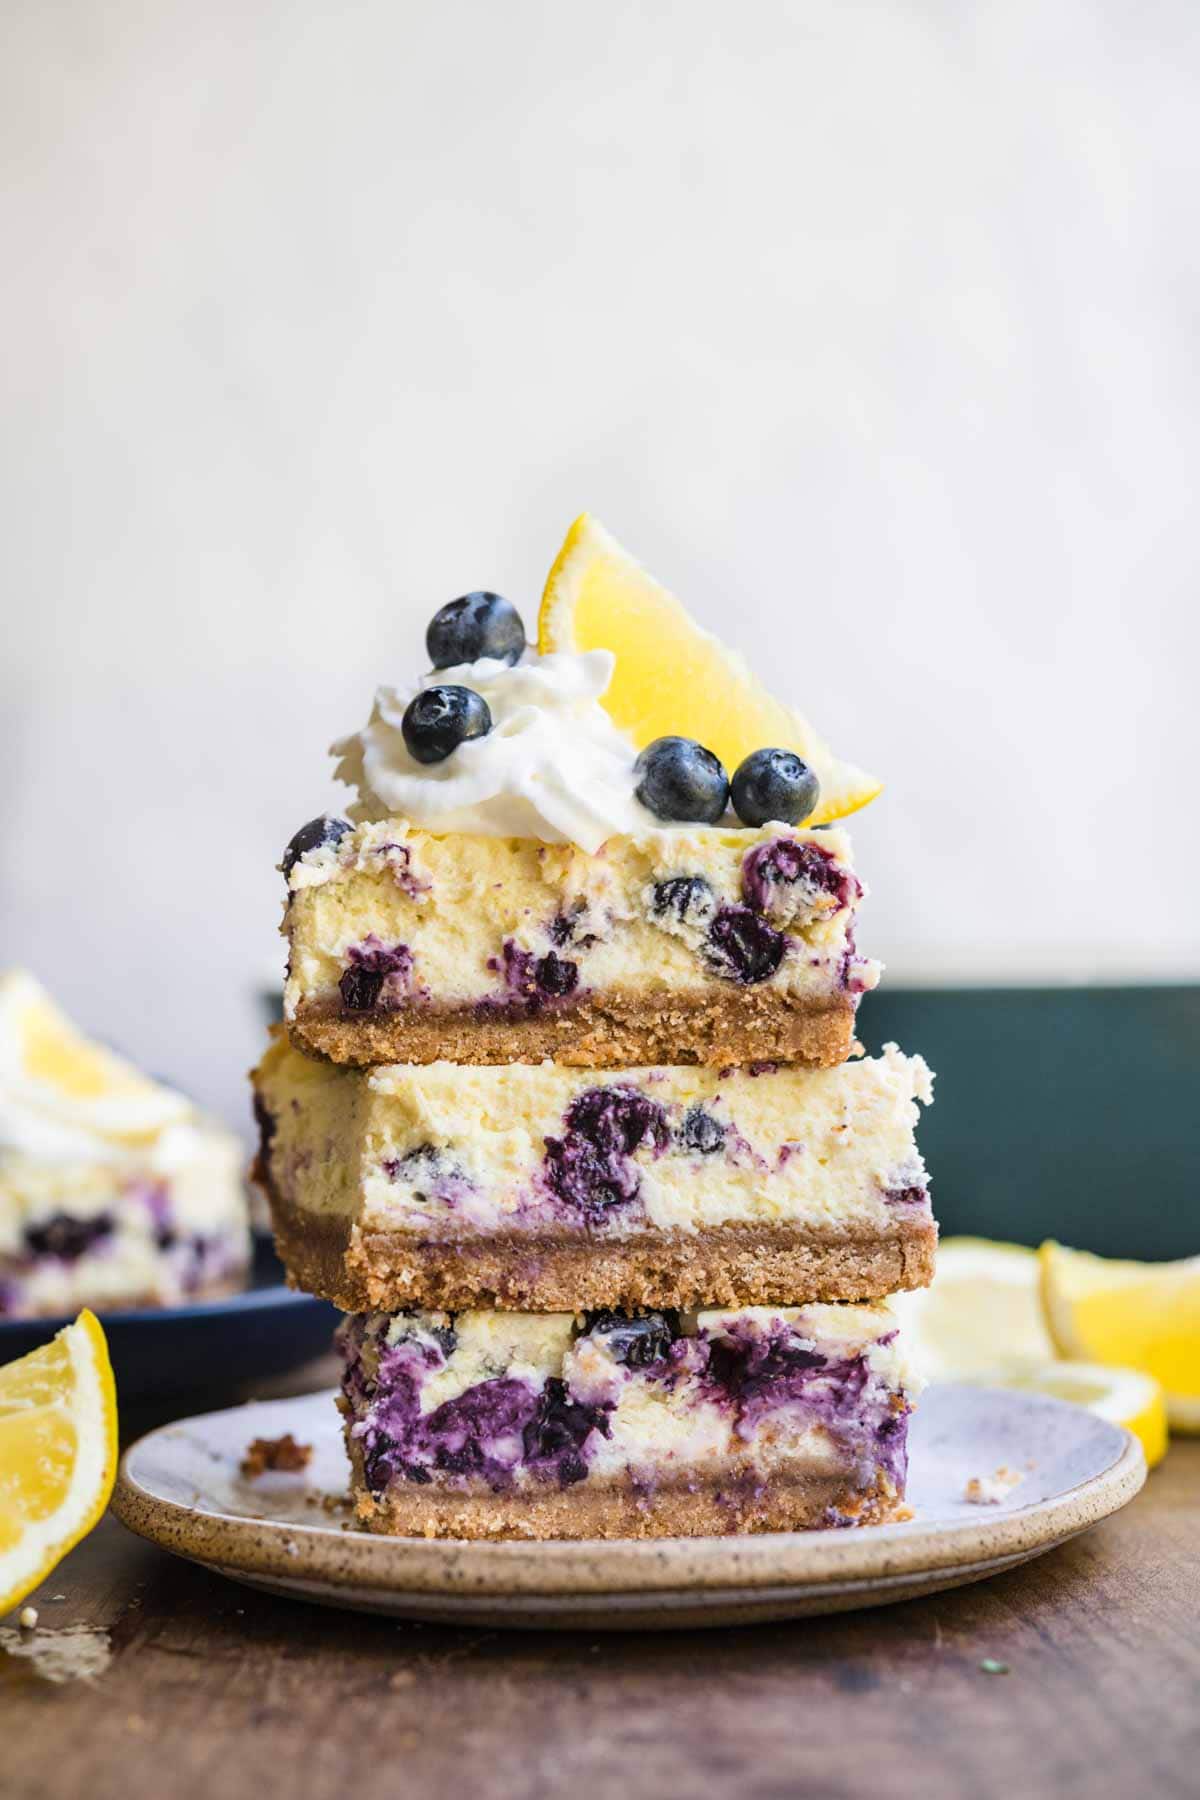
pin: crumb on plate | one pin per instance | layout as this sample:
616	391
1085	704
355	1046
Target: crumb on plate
279	1455
990	1490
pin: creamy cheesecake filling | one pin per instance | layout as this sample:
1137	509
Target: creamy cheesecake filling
389	917
494	1402
445	1151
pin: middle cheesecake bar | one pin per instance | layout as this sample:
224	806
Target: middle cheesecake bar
548	1189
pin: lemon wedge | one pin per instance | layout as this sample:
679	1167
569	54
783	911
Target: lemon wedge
982	1317
58	1453
1122	1396
982	1320
1133	1314
60	1076
672	677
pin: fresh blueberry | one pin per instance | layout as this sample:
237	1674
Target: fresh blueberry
774	784
681	780
442	718
701	1132
477	625
635	1342
313	836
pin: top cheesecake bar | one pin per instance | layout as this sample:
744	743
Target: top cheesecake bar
529	872
717	946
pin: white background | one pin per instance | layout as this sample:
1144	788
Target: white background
873	329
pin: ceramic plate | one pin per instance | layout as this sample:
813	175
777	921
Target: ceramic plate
263	1331
181	1487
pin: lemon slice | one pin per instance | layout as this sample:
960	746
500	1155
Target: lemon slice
673	677
1122	1396
1137	1315
59	1075
982	1317
58	1453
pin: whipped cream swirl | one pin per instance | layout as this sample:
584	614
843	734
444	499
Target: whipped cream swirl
553	767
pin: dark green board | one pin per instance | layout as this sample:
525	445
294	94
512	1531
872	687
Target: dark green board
1071	1113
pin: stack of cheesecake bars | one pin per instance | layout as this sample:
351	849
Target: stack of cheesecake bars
582	1147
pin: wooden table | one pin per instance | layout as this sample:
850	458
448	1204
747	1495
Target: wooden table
215	1690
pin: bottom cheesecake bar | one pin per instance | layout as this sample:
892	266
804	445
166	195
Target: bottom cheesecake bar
553	1425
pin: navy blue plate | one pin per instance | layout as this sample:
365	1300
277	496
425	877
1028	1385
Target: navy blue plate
210	1346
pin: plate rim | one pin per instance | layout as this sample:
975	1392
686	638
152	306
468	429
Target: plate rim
356	1561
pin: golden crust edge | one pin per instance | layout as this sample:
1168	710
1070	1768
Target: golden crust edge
725	1266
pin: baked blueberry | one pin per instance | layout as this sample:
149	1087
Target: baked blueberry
635	1342
701	1132
774	784
67	1237
439	719
373	963
556	974
476	625
360	988
313	836
534	979
679	780
591	1166
787	876
742	946
560	1427
684	897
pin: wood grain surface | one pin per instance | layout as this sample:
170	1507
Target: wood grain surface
213	1689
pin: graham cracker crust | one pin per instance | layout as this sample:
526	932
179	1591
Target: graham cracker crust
728	1265
606	1030
733	1500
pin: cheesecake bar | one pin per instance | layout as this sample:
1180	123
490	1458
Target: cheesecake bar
519	1425
115	1191
542	1187
710	945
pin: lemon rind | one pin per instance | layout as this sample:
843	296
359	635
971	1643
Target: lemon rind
44	1542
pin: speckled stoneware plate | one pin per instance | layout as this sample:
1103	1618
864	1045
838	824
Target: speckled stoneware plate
181	1487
